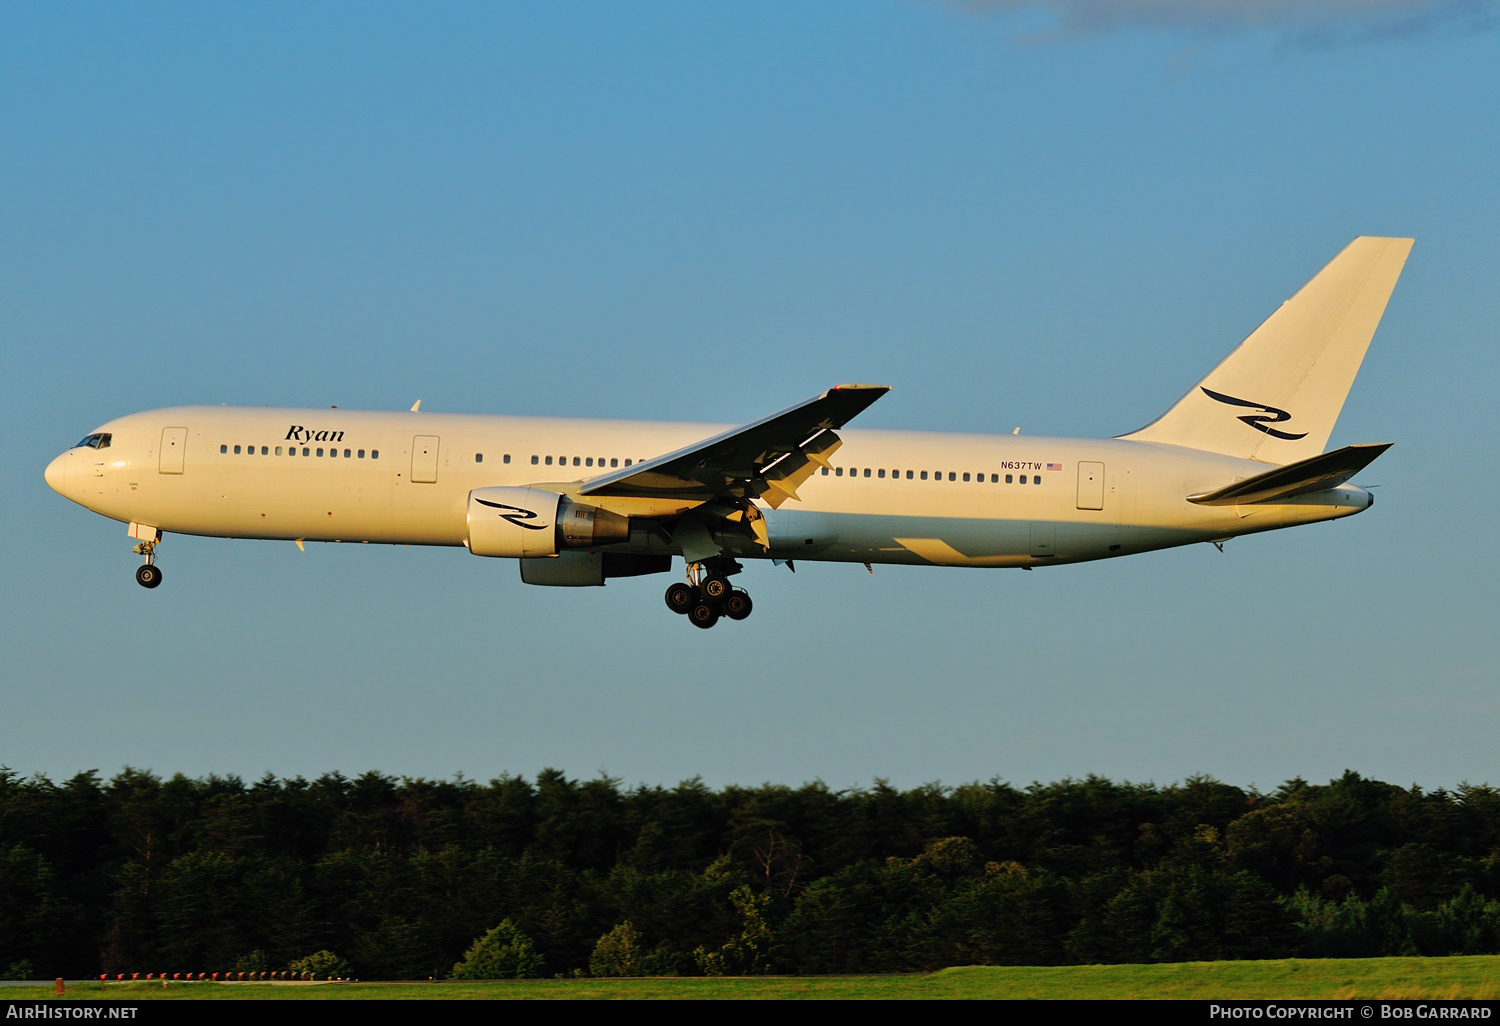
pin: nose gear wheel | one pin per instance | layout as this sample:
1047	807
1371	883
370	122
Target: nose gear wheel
148	574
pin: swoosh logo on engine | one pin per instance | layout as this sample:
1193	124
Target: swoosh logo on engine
515	516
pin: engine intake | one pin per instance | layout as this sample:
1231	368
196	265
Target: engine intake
525	522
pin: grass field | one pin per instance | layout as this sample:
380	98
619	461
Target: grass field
1389	978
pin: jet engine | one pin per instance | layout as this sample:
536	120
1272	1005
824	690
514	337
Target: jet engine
526	522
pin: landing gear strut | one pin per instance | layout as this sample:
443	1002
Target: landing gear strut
708	595
148	574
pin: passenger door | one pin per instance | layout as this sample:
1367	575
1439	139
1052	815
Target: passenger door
424	459
1090	486
173	448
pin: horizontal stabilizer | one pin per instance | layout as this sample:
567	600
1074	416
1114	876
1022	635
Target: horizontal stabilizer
1316	474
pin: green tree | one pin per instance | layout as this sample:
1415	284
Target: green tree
1469	924
623	952
748	952
321	965
1186	912
1332	929
33	917
1006	916
504	953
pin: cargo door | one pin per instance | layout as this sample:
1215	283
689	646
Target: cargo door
424	459
173	446
1090	486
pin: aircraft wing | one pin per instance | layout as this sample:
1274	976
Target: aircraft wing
1328	470
767	458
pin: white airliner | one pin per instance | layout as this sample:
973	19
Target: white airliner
577	502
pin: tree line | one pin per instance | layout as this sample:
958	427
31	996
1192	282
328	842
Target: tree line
411	878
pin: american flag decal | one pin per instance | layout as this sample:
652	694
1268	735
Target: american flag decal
1054	466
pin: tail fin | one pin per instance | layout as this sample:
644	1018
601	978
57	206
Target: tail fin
1277	396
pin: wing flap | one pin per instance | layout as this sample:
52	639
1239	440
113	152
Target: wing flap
1328	470
769	457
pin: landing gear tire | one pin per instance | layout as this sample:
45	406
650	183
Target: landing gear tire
704	615
716	588
738	605
147	575
681	597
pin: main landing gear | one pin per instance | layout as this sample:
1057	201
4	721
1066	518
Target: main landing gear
707	595
148	574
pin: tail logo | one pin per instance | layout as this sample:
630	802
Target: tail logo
1268	415
515	516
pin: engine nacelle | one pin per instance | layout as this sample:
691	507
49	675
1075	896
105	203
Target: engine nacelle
521	523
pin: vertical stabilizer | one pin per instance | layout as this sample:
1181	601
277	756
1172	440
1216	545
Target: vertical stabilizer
1277	396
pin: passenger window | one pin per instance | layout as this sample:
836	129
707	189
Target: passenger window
1023	478
627	463
346	453
505	458
278	451
361	453
909	475
994	479
534	460
587	463
825	471
838	471
881	473
479	457
867	472
236	450
924	475
966	477
320	452
1009	479
953	477
575	461
223	448
614	461
549	461
374	454
1037	479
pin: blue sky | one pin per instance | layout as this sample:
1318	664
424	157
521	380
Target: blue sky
1010	213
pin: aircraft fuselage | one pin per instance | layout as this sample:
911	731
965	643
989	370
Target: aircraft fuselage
887	497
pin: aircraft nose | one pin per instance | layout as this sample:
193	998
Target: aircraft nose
57	474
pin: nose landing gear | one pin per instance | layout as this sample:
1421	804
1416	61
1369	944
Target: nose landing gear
148	574
708	595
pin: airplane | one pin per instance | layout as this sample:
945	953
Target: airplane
578	501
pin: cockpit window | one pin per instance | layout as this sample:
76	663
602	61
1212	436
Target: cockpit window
96	441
